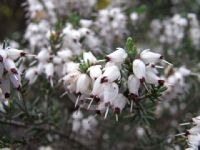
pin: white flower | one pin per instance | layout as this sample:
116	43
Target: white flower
16	80
9	65
111	74
89	57
83	83
150	57
110	92
95	71
133	85
117	56
49	70
139	69
85	23
70	67
152	78
5	86
119	103
65	54
196	120
97	89
194	141
3	55
43	55
14	53
31	74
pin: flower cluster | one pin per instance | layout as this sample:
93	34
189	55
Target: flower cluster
171	31
100	83
83	126
177	88
112	24
10	75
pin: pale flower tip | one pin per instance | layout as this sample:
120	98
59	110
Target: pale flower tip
116	117
106	113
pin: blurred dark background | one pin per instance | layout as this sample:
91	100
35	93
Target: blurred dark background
12	19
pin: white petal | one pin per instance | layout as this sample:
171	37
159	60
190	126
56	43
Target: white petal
139	69
133	85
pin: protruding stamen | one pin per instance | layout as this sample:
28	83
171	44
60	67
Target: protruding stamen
116	117
167	62
77	100
106	113
185	124
63	94
131	108
90	103
146	87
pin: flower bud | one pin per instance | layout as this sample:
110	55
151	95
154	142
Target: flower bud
111	74
119	103
3	55
97	88
95	71
5	86
88	56
15	53
49	70
139	69
31	75
9	65
150	57
133	85
82	85
65	54
117	56
152	78
110	92
43	55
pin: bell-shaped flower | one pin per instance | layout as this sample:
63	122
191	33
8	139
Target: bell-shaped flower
150	57
97	90
119	103
70	78
3	55
16	80
49	70
101	108
133	85
117	56
111	74
95	71
65	55
43	55
57	60
196	121
5	86
110	92
9	65
31	75
14	53
89	57
41	67
83	83
139	69
152	78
